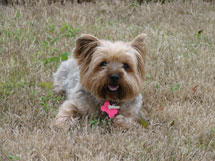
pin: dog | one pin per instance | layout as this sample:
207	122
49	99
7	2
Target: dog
102	71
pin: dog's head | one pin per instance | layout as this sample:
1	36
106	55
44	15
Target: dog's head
111	71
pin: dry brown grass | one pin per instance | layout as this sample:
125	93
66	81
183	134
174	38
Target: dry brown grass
179	92
41	2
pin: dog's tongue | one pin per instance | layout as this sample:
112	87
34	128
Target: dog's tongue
113	88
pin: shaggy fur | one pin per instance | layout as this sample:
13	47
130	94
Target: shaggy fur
100	71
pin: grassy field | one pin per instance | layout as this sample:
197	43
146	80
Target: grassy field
179	90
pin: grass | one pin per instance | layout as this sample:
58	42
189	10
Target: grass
178	92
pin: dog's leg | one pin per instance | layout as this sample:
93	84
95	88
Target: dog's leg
127	120
67	112
124	122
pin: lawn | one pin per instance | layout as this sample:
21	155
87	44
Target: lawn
179	89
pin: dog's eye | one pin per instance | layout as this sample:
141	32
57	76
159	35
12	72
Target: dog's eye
125	66
104	63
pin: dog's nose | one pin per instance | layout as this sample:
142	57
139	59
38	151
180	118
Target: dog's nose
114	77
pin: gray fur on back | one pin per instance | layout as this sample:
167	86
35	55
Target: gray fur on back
67	77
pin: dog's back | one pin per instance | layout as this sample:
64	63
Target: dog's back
67	78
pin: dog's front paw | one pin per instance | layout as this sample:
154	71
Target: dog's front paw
64	122
123	122
61	121
67	116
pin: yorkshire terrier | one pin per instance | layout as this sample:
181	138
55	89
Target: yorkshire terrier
102	72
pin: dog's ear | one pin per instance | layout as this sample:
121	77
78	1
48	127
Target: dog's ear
138	44
85	47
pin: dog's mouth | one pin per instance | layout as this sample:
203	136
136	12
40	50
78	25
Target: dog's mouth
113	88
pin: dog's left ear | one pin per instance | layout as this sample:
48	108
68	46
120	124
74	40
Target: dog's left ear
138	44
85	47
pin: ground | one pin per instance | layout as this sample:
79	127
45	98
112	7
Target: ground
179	89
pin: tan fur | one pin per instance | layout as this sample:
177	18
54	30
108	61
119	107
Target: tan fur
93	78
90	53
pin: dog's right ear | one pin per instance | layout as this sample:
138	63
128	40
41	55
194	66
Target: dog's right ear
85	47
